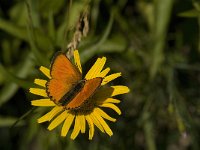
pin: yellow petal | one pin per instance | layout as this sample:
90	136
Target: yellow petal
67	124
77	60
91	126
110	78
40	82
102	100
45	71
120	89
58	120
55	111
104	72
92	69
111	100
77	128
96	122
106	92
44	118
50	115
37	91
112	106
104	115
96	68
103	123
82	122
42	102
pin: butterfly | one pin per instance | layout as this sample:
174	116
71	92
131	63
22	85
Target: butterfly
66	86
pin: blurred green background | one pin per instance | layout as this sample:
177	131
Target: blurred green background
154	43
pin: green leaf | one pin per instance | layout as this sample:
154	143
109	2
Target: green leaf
91	51
163	11
8	90
12	78
46	6
20	32
190	13
74	13
18	14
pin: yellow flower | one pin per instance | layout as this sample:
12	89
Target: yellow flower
91	113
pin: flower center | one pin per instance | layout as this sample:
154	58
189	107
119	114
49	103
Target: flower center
86	108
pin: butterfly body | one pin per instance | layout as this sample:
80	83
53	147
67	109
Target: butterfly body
66	87
72	93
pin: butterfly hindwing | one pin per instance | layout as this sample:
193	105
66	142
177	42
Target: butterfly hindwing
85	93
64	75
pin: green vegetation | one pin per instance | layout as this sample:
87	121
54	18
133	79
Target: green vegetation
154	43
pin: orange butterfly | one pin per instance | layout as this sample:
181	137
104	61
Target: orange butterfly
66	87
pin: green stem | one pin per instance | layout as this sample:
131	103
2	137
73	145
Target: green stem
199	32
149	135
32	39
148	125
163	9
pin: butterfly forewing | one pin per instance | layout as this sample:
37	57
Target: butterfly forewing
85	93
64	75
63	69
